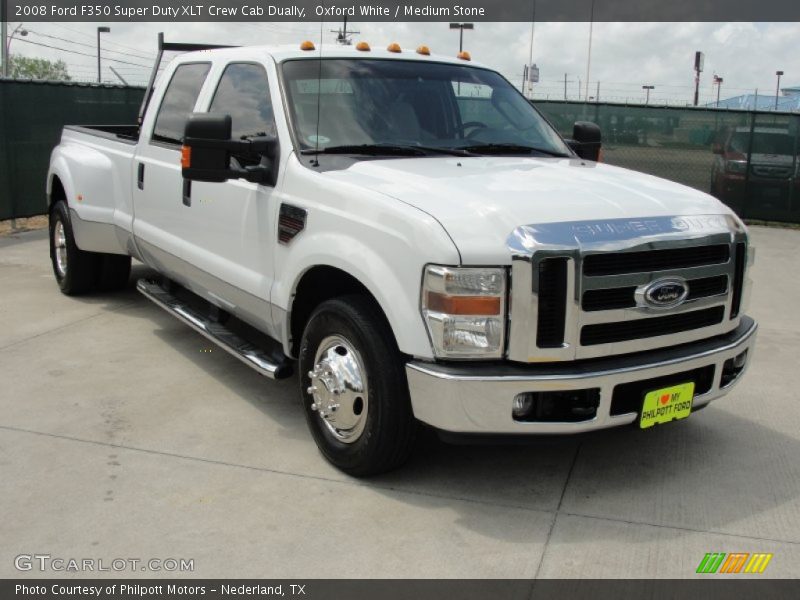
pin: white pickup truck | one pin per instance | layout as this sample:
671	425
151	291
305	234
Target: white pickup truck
416	237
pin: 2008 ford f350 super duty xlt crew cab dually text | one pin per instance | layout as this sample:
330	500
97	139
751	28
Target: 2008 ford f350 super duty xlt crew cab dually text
410	233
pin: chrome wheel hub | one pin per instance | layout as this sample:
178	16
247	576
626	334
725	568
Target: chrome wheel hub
60	246
339	388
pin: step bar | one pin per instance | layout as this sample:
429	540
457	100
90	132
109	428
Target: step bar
253	356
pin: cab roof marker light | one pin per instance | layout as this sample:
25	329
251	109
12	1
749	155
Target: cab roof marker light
307	45
362	47
424	50
394	47
464	55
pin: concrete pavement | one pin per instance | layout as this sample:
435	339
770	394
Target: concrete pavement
123	436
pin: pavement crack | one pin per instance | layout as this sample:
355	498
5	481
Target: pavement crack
557	511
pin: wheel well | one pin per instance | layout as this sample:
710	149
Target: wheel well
57	192
317	285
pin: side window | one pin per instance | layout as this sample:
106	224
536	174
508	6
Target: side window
179	101
243	94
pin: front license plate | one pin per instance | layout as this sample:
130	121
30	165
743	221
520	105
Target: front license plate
666	404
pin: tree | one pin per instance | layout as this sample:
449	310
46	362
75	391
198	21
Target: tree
23	67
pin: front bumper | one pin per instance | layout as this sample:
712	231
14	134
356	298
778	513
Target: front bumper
478	398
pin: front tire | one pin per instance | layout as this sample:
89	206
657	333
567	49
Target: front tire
354	389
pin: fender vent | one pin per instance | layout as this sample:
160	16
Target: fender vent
291	221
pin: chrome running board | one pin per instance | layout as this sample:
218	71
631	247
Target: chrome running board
253	356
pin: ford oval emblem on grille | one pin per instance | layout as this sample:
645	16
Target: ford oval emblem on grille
663	293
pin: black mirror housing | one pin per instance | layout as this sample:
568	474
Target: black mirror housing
203	158
207	150
586	140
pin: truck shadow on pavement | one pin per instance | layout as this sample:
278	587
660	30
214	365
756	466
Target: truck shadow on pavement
714	472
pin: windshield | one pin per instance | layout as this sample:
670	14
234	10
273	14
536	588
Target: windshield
368	103
763	142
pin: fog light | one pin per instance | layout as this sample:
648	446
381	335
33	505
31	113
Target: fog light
739	360
523	403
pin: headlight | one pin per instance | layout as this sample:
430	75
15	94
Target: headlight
736	166
464	310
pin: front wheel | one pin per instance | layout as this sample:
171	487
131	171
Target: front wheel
354	388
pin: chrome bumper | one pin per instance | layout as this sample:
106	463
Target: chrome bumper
478	398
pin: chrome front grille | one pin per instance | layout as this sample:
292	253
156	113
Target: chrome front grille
578	288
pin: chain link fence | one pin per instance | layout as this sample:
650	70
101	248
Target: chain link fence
32	114
747	159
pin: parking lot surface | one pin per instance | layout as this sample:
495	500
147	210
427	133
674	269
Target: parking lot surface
124	434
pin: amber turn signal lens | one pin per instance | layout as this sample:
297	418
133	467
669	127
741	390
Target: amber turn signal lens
394	47
307	45
463	305
186	157
362	47
464	55
424	50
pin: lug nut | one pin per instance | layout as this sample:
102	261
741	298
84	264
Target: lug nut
311	389
314	406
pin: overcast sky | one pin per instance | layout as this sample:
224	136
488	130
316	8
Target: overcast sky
624	55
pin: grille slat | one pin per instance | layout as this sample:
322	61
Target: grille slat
552	303
624	297
738	279
620	263
607	333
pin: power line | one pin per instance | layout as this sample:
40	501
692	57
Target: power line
78	53
105	42
104	50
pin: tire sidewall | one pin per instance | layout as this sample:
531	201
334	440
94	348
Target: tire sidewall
333	317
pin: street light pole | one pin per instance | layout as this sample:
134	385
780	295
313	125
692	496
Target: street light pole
778	88
718	80
648	88
461	27
7	48
699	59
99	31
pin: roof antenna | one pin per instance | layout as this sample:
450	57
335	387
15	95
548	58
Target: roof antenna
315	162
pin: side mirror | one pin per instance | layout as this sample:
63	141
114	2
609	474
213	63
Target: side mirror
208	147
586	140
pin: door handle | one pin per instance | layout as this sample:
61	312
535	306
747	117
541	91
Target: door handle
140	176
187	192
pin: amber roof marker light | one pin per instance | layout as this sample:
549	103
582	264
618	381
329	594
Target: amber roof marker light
424	50
394	47
464	55
307	45
362	47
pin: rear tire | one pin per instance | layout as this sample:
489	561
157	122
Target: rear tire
75	270
354	388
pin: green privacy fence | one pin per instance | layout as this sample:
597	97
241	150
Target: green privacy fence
32	114
749	160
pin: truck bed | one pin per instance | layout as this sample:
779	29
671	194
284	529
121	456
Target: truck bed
128	134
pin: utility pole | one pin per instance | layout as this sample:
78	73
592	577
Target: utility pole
597	96
565	86
778	88
342	35
3	35
589	57
461	27
99	31
699	59
527	82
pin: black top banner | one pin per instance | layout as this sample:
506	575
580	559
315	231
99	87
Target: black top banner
404	10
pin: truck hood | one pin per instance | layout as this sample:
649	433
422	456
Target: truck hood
481	200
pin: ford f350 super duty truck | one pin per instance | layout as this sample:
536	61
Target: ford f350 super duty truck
416	238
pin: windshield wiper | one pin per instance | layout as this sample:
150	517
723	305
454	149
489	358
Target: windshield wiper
511	149
387	149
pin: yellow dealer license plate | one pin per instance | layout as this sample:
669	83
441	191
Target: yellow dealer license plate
667	404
